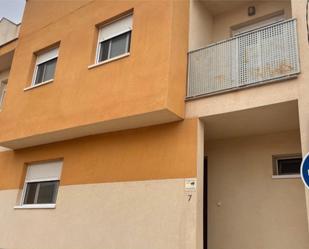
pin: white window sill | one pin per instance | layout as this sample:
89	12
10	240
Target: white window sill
38	85
285	176
36	206
108	61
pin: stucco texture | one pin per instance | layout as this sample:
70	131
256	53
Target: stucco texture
158	152
144	214
246	207
150	79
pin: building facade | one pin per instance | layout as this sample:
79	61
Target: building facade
154	124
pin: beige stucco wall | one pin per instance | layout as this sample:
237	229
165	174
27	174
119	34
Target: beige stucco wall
243	99
296	89
299	12
144	214
8	31
200	25
256	211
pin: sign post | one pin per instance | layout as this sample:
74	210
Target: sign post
304	170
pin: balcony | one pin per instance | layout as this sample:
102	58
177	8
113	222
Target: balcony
262	55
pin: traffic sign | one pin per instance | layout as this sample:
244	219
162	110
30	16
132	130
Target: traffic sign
304	170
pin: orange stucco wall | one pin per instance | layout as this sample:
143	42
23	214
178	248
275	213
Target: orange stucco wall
152	78
158	152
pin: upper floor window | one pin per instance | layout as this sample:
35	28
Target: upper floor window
41	184
45	67
3	85
114	39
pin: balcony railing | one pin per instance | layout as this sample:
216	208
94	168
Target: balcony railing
262	55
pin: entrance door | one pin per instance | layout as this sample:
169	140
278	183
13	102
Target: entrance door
254	57
205	201
258	24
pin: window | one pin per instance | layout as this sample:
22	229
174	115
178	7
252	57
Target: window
3	85
41	184
287	166
114	39
45	67
41	192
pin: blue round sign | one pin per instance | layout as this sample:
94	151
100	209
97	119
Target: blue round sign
304	170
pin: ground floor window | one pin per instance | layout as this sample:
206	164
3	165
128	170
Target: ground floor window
41	184
287	166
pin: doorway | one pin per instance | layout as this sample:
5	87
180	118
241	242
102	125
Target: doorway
205	202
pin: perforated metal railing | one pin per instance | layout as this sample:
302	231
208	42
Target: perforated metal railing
266	54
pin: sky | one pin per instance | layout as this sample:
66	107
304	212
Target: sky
12	9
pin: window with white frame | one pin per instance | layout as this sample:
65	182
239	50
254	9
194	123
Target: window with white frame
41	183
3	85
45	67
286	166
114	39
